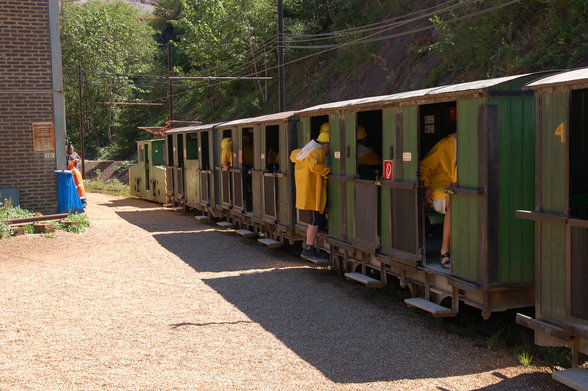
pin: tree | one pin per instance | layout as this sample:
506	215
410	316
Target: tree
110	42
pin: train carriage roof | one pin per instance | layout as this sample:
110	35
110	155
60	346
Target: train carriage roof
576	77
276	117
194	128
454	89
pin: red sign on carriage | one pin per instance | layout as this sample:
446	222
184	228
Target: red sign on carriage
388	170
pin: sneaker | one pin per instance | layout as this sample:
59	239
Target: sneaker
309	252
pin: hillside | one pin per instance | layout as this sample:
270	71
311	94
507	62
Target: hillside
334	50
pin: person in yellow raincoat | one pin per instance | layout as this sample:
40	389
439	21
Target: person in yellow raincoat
226	153
366	156
438	170
310	173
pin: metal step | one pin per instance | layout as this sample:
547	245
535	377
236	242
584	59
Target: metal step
319	261
168	205
576	378
434	309
245	233
365	280
269	242
224	224
201	218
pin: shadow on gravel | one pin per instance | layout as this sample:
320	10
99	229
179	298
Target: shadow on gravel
340	334
161	220
348	341
208	249
539	380
134	202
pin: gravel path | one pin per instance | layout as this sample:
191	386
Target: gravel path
149	299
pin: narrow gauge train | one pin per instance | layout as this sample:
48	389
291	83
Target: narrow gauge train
508	160
387	229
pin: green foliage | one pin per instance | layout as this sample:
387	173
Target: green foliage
525	358
8	212
4	230
81	221
528	36
29	229
114	187
109	41
123	166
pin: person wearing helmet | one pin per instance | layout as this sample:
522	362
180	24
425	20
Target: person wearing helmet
226	153
438	170
310	174
366	156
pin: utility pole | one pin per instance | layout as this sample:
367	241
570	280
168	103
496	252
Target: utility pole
170	88
282	87
81	115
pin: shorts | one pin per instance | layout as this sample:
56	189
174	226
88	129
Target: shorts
317	219
440	206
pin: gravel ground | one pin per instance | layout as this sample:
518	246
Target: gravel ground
150	299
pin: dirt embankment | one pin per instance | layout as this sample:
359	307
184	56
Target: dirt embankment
106	170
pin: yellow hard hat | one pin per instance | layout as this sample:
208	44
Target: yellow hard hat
323	137
325	127
361	133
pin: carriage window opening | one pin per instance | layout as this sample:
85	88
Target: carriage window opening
315	126
578	145
205	151
170	150
140	153
191	146
247	165
369	144
180	150
436	121
157	152
272	148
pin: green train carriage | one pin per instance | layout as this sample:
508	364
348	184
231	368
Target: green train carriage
258	190
560	216
147	177
382	224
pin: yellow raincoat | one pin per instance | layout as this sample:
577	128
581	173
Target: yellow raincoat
227	152
310	174
367	156
439	168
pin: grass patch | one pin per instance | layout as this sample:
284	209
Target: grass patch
525	358
113	187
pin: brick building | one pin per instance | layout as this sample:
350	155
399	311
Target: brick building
32	113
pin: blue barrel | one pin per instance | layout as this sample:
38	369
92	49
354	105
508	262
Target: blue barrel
68	200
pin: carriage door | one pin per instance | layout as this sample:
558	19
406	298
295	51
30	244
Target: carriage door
169	168
225	176
577	230
191	170
310	131
241	174
400	200
204	171
147	163
179	169
270	160
365	133
436	122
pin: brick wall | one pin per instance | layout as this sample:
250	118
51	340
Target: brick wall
25	63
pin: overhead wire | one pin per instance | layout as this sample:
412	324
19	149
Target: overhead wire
368	27
394	25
